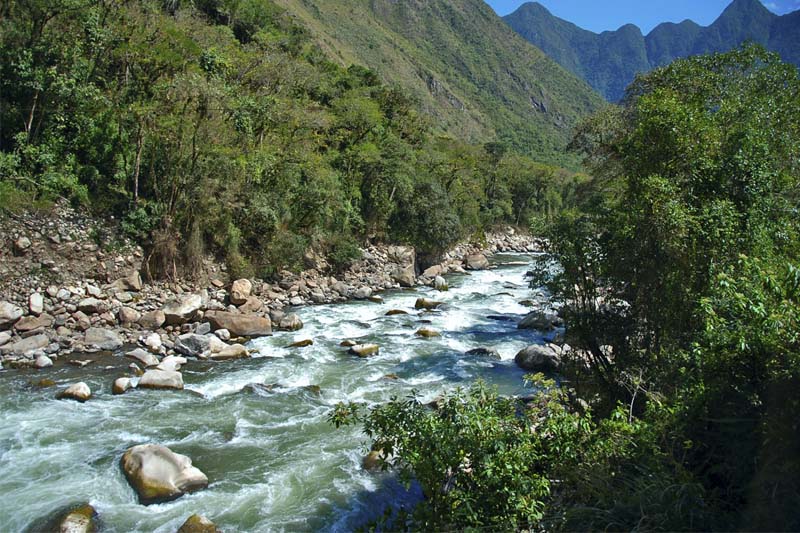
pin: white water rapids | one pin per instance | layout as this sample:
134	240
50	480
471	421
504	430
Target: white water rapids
273	460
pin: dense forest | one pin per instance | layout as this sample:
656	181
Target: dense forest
680	287
220	127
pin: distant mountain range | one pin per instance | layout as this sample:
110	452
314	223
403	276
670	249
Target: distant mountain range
474	76
609	61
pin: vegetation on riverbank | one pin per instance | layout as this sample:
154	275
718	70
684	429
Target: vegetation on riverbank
206	128
681	293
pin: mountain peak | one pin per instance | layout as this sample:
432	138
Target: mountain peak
741	9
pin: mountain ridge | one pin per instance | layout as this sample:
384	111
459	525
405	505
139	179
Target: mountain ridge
609	61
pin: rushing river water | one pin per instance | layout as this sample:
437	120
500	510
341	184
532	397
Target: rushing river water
273	461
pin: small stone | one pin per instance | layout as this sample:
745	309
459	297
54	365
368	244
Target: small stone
240	291
79	392
128	315
36	303
94	291
22	245
440	284
223	334
92	306
153	342
395	312
123	297
348	343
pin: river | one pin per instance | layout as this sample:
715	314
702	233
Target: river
273	460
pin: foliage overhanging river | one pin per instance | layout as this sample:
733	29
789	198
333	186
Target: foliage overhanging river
273	460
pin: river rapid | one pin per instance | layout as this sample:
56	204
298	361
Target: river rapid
273	460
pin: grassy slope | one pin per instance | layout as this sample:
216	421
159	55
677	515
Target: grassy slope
469	70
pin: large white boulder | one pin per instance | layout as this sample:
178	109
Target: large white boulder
158	474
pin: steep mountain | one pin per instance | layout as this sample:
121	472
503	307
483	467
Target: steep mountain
610	60
470	71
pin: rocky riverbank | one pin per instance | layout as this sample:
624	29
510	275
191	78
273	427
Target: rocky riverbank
71	284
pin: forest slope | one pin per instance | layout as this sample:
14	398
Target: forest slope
470	71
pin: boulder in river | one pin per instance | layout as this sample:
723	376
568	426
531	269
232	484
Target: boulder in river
234	351
291	322
78	391
485	352
9	313
365	350
193	345
158	474
395	312
182	309
476	262
198	524
425	303
240	325
78	520
161	379
121	386
540	320
427	333
538	358
405	276
302	344
440	284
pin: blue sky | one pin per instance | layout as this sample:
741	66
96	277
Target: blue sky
601	15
